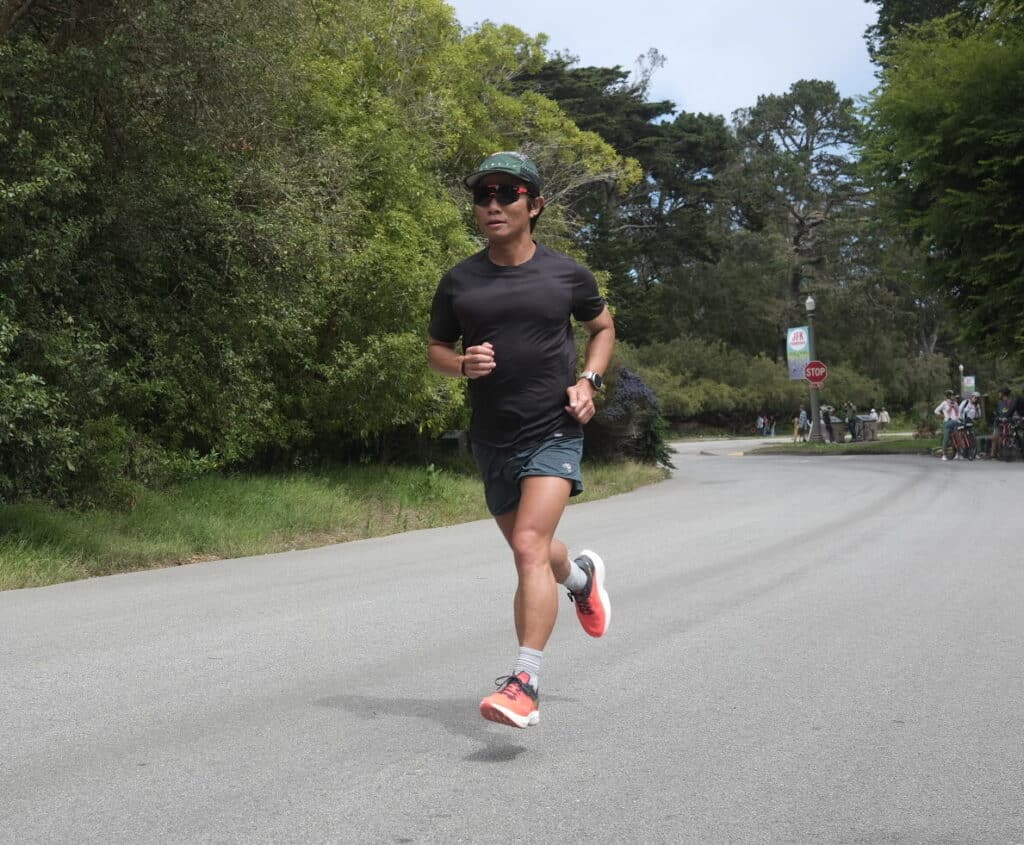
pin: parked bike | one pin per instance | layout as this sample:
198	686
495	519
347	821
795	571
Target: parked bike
1017	435
965	444
1004	438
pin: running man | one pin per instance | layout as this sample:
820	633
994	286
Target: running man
511	306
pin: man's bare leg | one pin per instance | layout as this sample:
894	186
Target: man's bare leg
541	559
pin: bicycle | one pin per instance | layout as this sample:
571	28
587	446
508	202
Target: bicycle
1005	441
965	444
1017	435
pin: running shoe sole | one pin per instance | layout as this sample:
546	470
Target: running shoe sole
599	586
496	713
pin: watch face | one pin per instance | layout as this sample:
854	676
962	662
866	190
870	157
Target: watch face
596	380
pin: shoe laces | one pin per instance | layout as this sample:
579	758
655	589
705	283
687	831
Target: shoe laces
582	598
512	687
582	603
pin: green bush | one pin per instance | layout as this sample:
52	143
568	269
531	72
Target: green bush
629	423
710	383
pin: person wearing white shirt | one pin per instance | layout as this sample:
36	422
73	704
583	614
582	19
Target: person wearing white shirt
970	408
950	413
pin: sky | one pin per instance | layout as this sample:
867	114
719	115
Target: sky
720	54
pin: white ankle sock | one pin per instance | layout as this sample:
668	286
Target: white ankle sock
577	579
529	662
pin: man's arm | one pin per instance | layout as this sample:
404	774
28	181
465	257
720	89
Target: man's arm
476	362
601	342
598	356
443	358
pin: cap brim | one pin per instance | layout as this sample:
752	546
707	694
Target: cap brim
474	179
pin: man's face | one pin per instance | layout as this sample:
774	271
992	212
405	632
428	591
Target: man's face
503	223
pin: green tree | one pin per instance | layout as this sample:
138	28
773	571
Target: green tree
642	234
947	143
895	16
220	230
799	173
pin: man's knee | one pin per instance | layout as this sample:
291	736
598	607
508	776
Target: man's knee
531	547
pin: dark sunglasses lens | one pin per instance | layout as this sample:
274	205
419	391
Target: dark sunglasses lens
505	194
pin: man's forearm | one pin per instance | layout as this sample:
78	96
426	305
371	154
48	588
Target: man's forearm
445	360
600	346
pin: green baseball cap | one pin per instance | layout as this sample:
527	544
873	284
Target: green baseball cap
514	164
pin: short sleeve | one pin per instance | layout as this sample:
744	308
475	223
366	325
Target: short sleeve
444	323
587	302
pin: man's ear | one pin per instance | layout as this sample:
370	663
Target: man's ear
537	207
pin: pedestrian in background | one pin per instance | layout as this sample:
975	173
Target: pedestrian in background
803	423
826	420
851	420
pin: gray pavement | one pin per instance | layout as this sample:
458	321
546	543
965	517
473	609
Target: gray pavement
801	650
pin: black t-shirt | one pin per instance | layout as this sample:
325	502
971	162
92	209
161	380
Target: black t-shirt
524	312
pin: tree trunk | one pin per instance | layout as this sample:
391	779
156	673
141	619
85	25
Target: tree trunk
10	12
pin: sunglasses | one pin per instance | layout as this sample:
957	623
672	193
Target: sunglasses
504	194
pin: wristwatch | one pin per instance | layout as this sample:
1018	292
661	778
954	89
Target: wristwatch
594	378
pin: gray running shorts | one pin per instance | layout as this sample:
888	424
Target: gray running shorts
503	469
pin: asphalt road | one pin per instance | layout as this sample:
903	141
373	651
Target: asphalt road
801	650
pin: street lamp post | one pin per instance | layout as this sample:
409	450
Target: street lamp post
815	411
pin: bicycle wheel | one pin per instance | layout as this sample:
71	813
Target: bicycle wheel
956	440
972	447
1004	446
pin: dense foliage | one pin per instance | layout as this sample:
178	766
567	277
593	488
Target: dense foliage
221	225
896	16
220	230
630	422
947	144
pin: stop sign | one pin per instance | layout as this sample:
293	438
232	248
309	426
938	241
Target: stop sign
815	372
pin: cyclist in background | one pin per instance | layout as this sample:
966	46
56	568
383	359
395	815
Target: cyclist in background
950	413
1004	409
970	408
970	415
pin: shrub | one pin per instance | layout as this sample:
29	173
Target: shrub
629	424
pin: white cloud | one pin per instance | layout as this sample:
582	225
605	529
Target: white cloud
720	55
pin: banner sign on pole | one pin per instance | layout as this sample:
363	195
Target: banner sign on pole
968	386
798	352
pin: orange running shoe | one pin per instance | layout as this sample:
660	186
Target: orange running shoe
514	704
593	608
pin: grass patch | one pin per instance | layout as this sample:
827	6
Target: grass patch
886	446
236	516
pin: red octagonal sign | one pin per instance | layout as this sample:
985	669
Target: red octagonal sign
815	372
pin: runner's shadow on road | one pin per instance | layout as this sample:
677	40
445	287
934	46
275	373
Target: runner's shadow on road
455	715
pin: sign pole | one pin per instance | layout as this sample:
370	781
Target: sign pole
816	436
